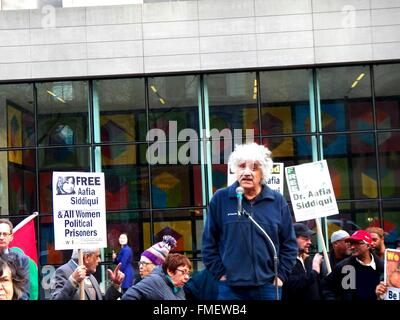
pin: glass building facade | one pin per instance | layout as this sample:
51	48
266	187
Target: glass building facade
163	142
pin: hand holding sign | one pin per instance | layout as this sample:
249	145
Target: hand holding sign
116	276
79	274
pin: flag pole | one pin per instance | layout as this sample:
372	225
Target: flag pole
25	221
321	238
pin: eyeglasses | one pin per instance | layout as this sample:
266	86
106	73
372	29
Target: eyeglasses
184	272
357	243
143	263
4	234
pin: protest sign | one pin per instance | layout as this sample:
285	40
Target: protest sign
79	210
392	274
311	191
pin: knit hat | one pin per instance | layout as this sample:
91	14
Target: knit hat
158	252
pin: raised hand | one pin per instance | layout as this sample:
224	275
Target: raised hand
116	276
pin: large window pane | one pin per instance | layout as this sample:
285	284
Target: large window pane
285	101
389	160
387	95
352	165
120	103
345	94
391	221
232	99
17	122
63	113
173	103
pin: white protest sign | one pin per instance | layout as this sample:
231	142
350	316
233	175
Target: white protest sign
79	210
392	274
311	191
275	181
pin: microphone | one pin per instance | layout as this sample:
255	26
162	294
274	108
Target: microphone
239	195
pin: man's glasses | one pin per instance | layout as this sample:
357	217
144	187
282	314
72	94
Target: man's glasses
142	263
184	272
5	234
357	243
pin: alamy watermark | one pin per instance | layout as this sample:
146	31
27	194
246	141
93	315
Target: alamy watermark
183	147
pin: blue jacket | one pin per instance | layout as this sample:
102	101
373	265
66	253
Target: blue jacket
233	246
155	286
125	256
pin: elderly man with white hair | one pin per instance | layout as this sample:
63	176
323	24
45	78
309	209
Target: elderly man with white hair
234	250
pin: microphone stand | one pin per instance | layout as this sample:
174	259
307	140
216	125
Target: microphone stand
245	213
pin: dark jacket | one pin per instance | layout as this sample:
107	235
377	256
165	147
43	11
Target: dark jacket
201	286
337	285
156	286
125	257
63	289
302	284
233	246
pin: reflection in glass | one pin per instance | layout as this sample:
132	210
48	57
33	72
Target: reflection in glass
173	104
121	104
285	101
62	113
17	115
389	159
232	99
387	95
345	94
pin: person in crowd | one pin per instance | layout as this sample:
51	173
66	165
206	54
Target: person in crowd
65	285
378	240
397	244
356	277
165	282
304	280
21	261
155	255
340	248
201	286
125	257
234	250
11	279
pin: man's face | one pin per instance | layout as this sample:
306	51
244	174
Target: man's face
358	248
304	244
91	261
341	247
5	236
249	175
377	242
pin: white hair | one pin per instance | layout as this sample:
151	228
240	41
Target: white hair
252	152
88	251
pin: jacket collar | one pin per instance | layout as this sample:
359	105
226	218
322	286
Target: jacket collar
266	192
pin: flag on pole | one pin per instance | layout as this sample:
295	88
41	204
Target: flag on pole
25	240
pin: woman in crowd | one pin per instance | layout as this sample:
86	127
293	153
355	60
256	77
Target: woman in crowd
11	280
155	255
125	257
165	282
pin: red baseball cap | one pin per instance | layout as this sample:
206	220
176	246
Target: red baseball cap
360	235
